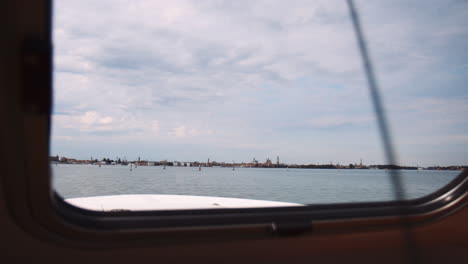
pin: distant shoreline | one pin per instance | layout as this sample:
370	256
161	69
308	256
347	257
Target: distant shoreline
63	160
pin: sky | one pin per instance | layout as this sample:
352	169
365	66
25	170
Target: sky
236	80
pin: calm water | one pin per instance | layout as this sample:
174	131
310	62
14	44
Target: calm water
286	185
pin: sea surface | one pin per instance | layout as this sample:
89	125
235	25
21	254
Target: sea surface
305	186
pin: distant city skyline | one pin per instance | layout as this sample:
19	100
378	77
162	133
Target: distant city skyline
249	164
254	160
234	80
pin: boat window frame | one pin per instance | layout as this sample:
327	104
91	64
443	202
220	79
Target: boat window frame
38	209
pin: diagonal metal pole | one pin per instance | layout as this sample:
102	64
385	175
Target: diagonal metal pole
377	103
395	176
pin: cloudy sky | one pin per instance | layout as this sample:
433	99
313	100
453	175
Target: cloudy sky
233	80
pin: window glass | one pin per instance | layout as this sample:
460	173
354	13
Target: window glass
228	104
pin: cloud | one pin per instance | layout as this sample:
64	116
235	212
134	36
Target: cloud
92	122
446	106
179	132
87	121
458	139
337	121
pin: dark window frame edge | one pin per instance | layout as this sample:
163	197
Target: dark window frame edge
60	221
